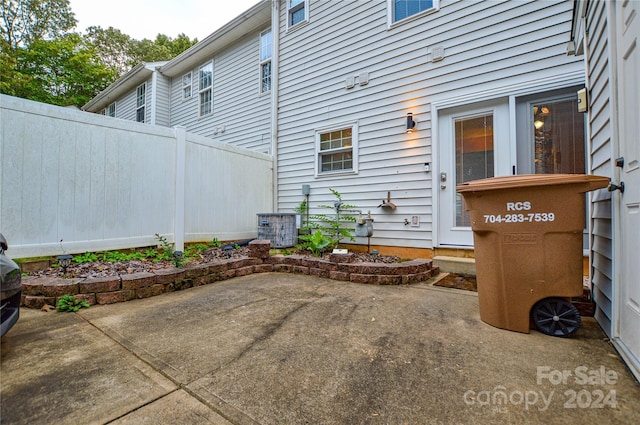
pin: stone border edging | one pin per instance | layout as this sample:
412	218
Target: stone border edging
38	291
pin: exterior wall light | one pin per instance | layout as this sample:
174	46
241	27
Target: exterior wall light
411	124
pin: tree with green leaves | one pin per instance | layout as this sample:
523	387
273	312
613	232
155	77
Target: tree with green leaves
24	21
42	59
61	72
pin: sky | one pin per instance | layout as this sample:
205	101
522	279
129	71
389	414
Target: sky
147	18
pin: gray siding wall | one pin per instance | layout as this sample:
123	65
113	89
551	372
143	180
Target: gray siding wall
597	52
163	106
241	115
489	47
126	105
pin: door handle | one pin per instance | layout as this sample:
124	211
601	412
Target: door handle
613	187
443	179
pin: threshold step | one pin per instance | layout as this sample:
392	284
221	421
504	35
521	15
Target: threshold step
458	265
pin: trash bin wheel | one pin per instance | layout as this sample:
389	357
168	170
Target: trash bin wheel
556	317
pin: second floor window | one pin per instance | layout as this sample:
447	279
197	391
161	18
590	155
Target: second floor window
141	100
111	110
205	88
297	11
265	61
404	8
186	86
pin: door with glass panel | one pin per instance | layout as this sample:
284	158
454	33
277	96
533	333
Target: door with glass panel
550	134
473	144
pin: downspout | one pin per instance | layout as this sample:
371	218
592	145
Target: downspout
275	31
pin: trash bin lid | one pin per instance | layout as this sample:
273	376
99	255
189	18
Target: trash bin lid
588	182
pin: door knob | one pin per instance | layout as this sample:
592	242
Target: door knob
613	187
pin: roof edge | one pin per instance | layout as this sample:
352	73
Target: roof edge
221	38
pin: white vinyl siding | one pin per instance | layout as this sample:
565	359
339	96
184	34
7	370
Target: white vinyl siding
488	51
205	89
162	106
241	116
601	131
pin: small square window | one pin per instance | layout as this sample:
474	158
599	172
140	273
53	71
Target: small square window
337	150
297	12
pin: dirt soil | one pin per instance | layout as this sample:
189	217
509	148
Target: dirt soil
458	281
105	268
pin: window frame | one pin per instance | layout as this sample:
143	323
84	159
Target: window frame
141	102
304	5
187	87
353	125
391	13
202	90
266	60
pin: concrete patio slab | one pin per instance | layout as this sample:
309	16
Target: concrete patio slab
294	349
59	369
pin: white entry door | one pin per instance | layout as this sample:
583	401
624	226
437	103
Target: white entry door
473	144
627	204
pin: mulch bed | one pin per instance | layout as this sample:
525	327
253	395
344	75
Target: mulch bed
97	269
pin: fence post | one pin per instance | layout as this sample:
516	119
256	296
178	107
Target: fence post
178	231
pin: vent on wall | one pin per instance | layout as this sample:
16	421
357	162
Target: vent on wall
437	53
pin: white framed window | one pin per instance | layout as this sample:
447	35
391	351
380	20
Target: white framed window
297	12
111	110
205	88
400	10
265	61
141	101
186	86
337	149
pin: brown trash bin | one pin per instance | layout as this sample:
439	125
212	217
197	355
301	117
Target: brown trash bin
527	232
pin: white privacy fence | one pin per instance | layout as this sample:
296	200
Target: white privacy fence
98	183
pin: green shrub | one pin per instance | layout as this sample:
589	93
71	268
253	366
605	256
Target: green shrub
69	303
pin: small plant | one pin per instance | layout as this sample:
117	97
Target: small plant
87	257
214	243
167	253
69	303
316	242
333	226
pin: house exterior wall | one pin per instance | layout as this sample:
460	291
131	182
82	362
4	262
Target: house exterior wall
241	114
161	106
126	106
493	50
